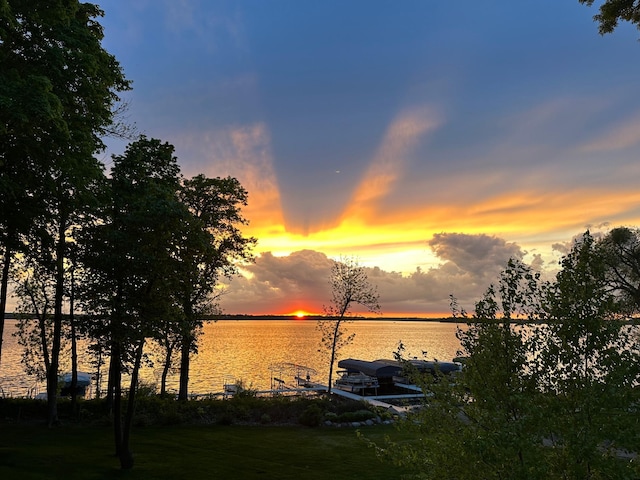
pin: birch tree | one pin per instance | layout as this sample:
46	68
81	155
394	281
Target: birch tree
350	286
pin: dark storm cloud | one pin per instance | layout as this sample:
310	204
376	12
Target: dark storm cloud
470	263
280	284
302	271
476	254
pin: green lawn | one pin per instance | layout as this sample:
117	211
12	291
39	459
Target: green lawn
211	452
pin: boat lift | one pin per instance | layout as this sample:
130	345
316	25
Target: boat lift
301	374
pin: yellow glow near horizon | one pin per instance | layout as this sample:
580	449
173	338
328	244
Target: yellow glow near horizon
400	244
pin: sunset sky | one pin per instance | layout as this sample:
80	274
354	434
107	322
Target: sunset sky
430	139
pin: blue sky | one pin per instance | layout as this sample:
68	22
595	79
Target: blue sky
444	136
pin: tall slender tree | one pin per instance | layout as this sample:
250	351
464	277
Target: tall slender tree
210	246
131	263
349	286
30	122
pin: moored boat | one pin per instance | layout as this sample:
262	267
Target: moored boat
83	381
356	382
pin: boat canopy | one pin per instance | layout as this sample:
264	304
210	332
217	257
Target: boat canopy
84	379
377	368
432	366
384	368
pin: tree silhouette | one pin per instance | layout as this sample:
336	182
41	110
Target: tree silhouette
349	285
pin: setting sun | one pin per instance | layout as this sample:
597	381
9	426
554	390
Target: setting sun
300	314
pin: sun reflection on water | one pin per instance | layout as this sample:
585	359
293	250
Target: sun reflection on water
246	349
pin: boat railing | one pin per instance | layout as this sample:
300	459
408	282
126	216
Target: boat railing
355	381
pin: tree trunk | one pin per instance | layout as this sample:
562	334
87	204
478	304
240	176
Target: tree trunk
115	379
44	344
185	349
333	355
185	352
126	456
113	365
99	373
6	264
74	349
52	373
166	367
115	362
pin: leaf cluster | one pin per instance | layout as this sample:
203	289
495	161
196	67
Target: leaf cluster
611	12
549	383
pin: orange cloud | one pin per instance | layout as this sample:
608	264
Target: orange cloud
253	164
243	152
389	162
622	136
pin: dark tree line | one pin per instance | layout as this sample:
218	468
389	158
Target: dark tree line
139	251
58	88
152	262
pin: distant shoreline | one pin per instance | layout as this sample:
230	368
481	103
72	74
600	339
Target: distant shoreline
320	317
214	318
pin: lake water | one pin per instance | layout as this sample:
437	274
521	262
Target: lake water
254	350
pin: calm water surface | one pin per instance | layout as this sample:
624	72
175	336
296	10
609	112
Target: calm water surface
253	351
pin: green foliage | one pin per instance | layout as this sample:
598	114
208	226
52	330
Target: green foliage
614	11
357	416
210	245
151	245
129	256
589	369
548	388
58	88
265	418
620	250
158	410
312	416
484	423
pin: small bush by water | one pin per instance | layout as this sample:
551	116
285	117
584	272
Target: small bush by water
155	410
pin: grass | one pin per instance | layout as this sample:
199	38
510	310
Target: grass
194	452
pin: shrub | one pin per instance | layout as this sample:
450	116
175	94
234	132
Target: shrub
265	418
331	416
161	410
312	416
357	416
